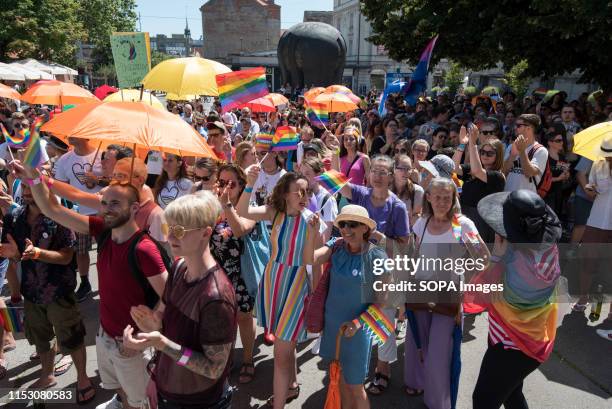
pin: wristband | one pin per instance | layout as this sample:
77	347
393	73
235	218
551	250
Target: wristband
248	189
185	357
49	182
461	147
32	182
357	323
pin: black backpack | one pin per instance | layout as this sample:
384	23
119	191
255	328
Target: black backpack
151	297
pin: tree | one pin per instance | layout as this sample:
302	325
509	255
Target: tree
158	56
554	36
41	29
453	78
103	17
517	79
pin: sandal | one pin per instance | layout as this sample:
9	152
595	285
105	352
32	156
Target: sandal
247	373
3	368
34	356
81	393
579	307
413	392
63	365
291	398
376	387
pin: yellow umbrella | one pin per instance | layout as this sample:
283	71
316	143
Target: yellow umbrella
587	143
174	97
133	95
276	99
185	76
131	123
336	102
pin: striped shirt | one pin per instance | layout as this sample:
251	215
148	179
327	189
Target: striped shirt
497	334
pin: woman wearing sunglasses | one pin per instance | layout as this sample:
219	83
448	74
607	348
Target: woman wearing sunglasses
439	137
560	169
280	301
204	174
481	177
226	247
173	182
352	260
195	333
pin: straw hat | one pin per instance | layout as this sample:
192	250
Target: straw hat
605	150
357	214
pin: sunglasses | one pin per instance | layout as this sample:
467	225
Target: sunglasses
301	193
179	231
229	183
202	178
400	151
488	132
487	153
19	125
420	150
350	224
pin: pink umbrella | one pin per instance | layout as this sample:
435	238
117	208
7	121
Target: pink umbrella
104	91
260	105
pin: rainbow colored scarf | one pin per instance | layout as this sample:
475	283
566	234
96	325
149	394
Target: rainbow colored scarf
525	310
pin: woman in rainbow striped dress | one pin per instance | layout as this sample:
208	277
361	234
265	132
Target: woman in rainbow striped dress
284	285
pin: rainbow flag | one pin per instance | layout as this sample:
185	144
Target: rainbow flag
239	87
12	319
33	154
317	114
19	140
418	81
376	324
332	180
285	139
263	140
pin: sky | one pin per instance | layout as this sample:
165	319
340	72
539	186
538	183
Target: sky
168	16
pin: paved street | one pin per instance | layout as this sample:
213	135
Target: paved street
578	374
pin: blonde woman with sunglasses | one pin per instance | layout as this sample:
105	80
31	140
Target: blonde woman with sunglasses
280	301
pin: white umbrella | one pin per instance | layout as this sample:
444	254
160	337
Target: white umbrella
30	73
11	75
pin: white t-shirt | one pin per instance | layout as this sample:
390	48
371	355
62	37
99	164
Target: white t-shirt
154	163
601	215
262	189
516	180
4	153
173	190
71	168
433	247
157	225
418	198
329	211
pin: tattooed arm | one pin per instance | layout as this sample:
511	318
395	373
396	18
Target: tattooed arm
209	363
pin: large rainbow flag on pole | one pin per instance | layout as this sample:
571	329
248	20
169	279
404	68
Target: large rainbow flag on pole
418	80
376	324
332	180
239	87
285	139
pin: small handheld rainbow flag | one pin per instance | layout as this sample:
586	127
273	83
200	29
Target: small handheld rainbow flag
19	140
239	87
332	180
317	114
285	139
263	140
33	154
376	324
13	319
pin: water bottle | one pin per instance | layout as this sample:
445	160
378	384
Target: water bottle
596	304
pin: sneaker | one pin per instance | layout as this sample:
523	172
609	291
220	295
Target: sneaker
400	330
83	291
316	346
114	403
605	334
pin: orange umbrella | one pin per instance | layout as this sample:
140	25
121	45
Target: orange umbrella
260	105
277	99
336	102
333	400
8	92
130	123
343	90
314	92
52	92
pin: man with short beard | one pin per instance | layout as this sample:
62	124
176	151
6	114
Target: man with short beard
120	368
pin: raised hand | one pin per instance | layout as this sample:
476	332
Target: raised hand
146	319
314	222
463	136
30	251
474	132
6	201
252	174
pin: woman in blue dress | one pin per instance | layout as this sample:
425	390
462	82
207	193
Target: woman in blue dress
350	293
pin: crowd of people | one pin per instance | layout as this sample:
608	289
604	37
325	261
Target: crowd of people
182	272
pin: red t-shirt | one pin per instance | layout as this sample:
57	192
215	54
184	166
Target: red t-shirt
119	291
221	155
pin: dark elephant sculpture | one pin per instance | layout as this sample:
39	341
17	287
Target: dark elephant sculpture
311	54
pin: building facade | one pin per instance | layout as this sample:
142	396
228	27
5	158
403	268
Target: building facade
326	17
234	27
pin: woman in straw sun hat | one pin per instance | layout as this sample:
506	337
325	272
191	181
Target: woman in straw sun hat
352	259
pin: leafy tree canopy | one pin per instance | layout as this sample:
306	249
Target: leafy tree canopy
554	36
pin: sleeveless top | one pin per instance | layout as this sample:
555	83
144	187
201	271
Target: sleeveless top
356	172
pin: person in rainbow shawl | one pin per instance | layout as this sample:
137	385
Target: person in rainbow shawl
522	317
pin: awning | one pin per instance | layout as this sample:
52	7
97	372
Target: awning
11	75
30	73
378	72
50	68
